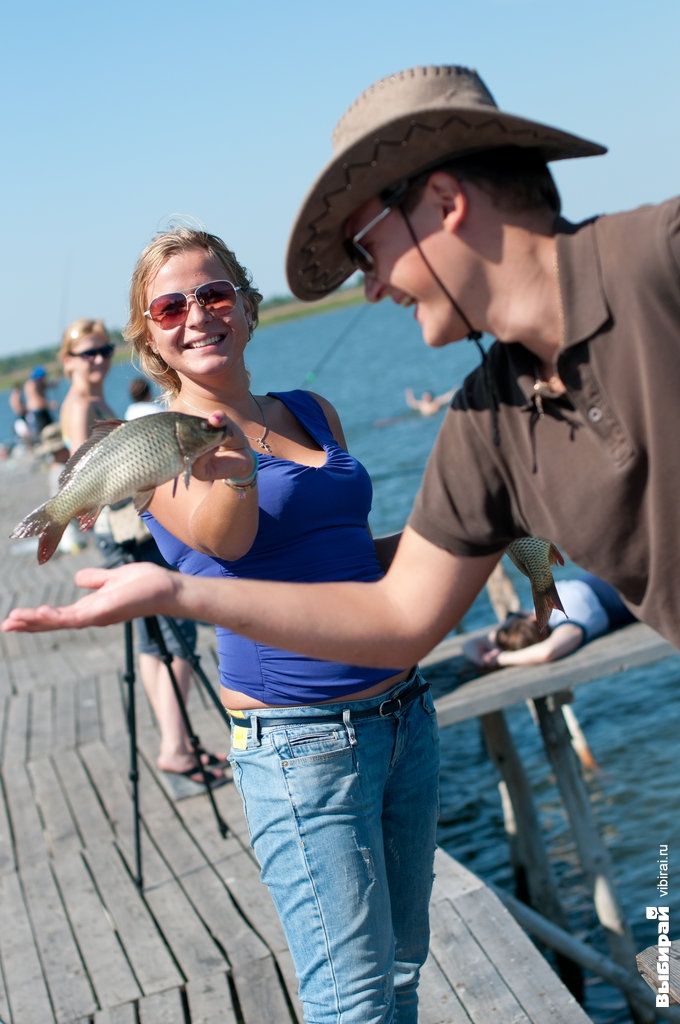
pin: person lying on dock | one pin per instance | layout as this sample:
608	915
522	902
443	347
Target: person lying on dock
592	609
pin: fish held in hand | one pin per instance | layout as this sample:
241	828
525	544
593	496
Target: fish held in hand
533	556
120	460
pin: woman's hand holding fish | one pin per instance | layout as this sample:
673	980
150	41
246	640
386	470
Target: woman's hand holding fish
129	592
231	459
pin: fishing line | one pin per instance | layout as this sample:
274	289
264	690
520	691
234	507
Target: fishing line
311	375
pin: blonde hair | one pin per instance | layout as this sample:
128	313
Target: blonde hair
163	247
83	327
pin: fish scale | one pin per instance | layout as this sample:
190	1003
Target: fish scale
120	460
533	556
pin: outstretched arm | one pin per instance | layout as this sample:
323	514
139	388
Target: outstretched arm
562	641
393	621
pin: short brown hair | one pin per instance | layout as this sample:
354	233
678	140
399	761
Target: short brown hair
157	253
517	180
518	631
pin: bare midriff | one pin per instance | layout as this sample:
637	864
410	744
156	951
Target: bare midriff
238	701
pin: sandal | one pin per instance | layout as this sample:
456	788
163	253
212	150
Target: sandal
180	785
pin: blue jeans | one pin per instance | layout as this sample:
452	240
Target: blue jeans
342	819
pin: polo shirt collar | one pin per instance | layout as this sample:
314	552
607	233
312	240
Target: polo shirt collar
580	278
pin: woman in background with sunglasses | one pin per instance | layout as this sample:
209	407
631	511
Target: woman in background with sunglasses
85	354
336	764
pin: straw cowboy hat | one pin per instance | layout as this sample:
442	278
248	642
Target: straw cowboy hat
397	127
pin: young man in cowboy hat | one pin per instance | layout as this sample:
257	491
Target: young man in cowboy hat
566	431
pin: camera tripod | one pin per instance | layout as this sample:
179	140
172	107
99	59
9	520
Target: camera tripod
129	677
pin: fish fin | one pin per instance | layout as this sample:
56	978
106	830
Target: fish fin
49	541
544	603
40	523
88	517
186	458
100	430
555	556
142	499
174	486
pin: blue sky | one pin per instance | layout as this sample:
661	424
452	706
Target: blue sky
116	117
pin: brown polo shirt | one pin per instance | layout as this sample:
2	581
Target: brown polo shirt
598	472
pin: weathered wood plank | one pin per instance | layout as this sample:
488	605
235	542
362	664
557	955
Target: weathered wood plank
7	861
176	844
451	879
4	1004
437	1002
474	978
192	946
260	993
216	908
153	966
112	709
26	990
125	1014
70	991
59	828
107	966
87	723
162	1008
210	1001
524	970
112	793
627	648
26	826
15	747
649	962
82	798
41	732
65	715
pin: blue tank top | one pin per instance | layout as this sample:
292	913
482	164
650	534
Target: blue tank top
313	528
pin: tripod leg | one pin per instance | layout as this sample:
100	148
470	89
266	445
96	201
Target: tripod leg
197	668
155	633
133	773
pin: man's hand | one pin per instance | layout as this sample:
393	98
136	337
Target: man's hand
129	592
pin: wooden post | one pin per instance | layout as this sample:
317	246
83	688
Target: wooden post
534	878
592	851
548	933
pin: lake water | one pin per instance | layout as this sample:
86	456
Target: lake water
362	358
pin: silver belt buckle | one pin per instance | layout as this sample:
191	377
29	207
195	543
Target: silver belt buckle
392	700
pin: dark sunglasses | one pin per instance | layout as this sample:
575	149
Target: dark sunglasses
171	310
105	351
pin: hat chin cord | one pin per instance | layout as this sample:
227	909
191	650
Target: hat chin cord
472	335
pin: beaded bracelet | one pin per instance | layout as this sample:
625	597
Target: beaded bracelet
245	483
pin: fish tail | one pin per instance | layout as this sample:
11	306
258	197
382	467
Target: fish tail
545	601
40	523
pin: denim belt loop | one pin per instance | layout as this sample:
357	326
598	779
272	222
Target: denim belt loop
349	728
255	730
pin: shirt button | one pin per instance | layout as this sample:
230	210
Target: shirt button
594	414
